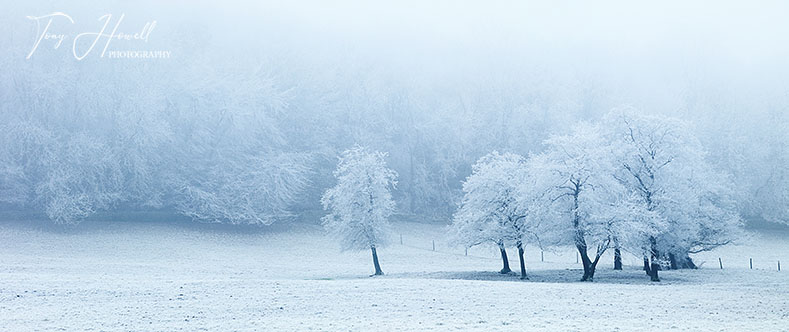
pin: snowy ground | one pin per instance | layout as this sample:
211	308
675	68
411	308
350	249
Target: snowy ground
158	277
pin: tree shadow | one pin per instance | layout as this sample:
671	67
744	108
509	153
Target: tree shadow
628	276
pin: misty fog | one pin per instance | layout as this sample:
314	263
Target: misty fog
244	122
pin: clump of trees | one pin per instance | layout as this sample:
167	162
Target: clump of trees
210	147
630	182
254	141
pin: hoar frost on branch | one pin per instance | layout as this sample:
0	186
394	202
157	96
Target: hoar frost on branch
631	183
493	208
663	164
583	204
361	203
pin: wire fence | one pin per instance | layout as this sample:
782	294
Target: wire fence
492	252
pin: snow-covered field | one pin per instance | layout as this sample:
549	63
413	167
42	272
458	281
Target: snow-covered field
172	277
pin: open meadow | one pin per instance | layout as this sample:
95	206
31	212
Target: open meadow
172	277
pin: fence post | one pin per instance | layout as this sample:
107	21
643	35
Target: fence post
434	245
576	258
542	256
720	262
751	261
466	251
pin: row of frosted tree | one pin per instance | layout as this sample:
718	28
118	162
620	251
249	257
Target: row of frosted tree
628	183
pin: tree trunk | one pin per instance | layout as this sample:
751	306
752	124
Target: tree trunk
654	270
580	241
646	265
523	264
504	259
587	263
681	262
378	271
592	269
687	263
617	259
654	267
672	261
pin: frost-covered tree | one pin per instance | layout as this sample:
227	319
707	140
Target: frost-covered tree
361	203
588	206
229	160
66	177
88	179
205	144
245	189
768	175
24	163
492	209
663	164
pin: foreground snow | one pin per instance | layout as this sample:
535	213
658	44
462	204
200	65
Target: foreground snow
142	277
